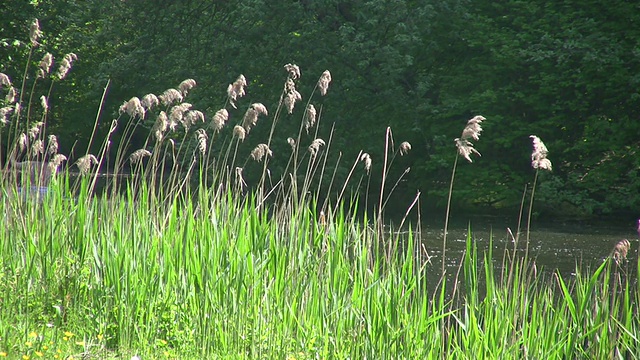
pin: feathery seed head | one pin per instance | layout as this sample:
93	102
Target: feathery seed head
291	95
220	119
137	156
473	128
240	132
186	85
44	103
323	82
202	137
37	148
405	146
133	108
34	32
366	158
309	117
170	96
315	146
160	126
4	114
45	64
149	101
251	116
85	162
260	152
23	140
176	116
236	90
465	149
35	130
539	155
55	162
192	117
52	145
65	65
291	143
293	70
620	251
4	80
11	97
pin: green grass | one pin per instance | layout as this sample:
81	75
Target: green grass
212	277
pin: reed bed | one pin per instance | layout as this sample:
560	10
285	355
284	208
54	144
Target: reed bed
186	258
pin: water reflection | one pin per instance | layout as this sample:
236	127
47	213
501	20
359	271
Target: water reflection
552	246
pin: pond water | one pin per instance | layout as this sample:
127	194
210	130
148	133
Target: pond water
554	246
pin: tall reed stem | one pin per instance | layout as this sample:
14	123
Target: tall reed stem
446	219
533	191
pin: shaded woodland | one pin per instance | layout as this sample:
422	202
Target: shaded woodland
566	72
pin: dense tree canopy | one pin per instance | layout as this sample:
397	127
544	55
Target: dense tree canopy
568	72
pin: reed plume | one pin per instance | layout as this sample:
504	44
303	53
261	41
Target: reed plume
260	152
251	116
323	82
5	80
310	117
293	70
85	162
44	103
220	119
4	114
202	137
620	251
539	155
133	108
236	90
35	129
315	146
149	101
291	143
137	156
366	158
65	65
34	32
45	65
193	116
465	149
176	116
240	132
55	162
186	85
160	126
291	95
539	162
170	96
37	148
471	131
11	98
52	145
404	148
22	141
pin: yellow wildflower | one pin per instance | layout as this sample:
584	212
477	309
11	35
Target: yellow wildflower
39	353
33	334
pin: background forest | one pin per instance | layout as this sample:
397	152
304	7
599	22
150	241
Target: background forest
568	72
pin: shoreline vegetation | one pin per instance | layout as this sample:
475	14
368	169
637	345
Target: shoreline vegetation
202	254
